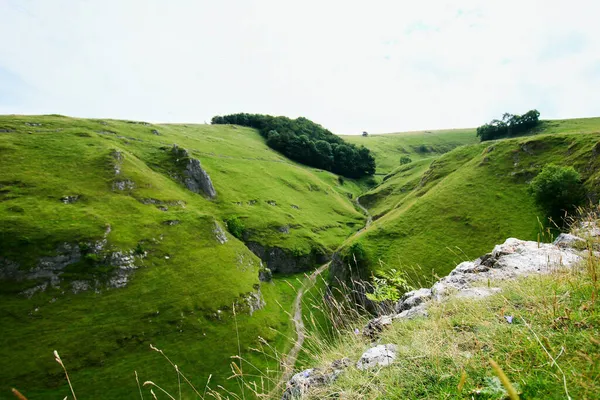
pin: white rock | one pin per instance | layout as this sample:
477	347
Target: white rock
382	355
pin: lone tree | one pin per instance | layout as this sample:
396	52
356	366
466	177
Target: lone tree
557	190
365	133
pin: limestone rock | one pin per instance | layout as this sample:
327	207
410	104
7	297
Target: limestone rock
195	178
413	299
567	240
300	383
375	326
265	275
70	199
378	356
219	234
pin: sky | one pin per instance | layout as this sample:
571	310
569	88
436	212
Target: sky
352	66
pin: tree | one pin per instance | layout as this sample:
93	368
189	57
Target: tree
510	125
304	141
365	134
557	190
405	160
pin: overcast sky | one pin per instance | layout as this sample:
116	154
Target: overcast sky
379	66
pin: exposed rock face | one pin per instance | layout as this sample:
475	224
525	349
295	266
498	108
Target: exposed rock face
507	261
255	301
378	356
194	177
284	261
69	199
219	233
48	270
300	383
265	275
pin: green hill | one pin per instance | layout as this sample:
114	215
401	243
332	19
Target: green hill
418	145
88	204
433	214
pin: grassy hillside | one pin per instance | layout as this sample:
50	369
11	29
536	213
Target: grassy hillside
471	198
418	145
181	296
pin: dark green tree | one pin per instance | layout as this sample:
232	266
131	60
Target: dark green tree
557	190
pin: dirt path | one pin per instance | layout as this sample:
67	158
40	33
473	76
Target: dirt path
289	361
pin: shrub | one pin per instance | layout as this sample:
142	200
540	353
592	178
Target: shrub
557	190
510	125
405	160
389	286
236	227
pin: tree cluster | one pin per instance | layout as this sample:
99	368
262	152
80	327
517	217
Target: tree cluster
510	125
308	143
558	191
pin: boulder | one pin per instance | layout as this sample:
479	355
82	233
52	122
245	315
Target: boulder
300	383
565	240
375	326
378	356
413	299
195	177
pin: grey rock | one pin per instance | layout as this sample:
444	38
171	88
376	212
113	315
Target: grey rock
284	229
285	261
272	203
413	299
195	178
219	233
155	132
255	301
265	275
567	240
375	326
252	202
415	312
118	160
171	222
123	185
378	356
300	384
70	199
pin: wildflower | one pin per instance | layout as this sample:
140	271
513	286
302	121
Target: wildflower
508	318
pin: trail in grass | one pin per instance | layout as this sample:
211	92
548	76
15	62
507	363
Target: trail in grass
290	358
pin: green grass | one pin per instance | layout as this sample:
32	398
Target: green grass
468	200
555	317
418	145
170	302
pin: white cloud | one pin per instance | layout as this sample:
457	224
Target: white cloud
378	66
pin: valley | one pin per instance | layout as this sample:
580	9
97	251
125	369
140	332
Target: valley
105	248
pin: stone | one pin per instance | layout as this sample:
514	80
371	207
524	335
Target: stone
123	185
272	203
195	178
220	234
171	222
378	356
284	229
413	299
265	275
155	132
375	326
70	199
411	313
255	301
299	385
567	240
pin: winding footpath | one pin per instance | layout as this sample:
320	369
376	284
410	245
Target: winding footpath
289	360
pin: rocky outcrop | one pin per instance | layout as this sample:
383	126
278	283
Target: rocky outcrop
195	178
219	233
48	271
286	261
254	300
300	383
508	261
378	356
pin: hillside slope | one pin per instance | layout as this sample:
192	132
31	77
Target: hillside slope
104	250
418	145
467	200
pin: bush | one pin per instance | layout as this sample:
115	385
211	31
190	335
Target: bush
557	190
405	160
236	227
